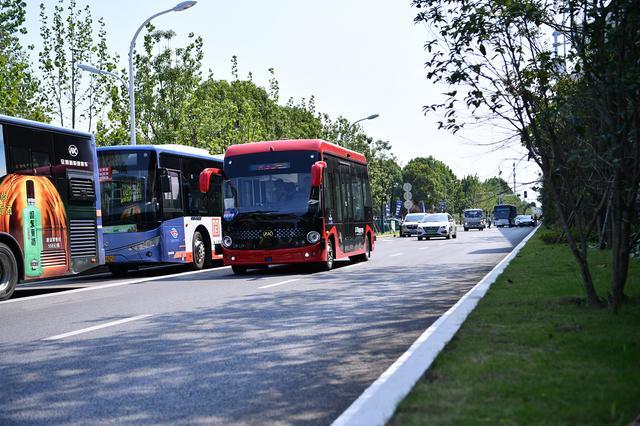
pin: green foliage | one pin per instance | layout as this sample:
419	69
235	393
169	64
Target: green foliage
19	87
68	39
432	182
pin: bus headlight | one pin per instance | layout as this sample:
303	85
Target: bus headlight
313	237
227	241
146	244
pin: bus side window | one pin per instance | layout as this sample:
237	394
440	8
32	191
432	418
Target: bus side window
358	198
172	200
335	184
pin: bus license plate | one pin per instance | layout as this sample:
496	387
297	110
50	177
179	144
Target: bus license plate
110	259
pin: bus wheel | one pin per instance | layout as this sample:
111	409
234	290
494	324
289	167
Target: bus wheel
117	270
199	251
8	272
238	270
327	265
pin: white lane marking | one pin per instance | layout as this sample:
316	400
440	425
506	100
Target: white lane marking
96	327
397	254
118	284
280	283
424	248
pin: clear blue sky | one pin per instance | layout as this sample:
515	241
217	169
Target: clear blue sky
358	57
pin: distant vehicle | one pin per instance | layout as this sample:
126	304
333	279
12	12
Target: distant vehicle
437	225
409	225
50	224
524	220
473	219
153	210
504	215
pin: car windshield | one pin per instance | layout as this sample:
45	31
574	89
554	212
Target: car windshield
525	217
414	217
473	213
278	182
436	218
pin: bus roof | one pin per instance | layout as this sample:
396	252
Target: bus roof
5	119
181	150
317	145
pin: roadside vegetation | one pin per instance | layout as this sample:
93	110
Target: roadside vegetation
534	352
573	105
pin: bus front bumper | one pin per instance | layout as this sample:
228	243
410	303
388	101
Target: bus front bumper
311	253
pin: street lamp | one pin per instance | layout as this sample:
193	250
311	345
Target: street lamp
371	117
94	70
132	105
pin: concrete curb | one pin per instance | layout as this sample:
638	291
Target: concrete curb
378	402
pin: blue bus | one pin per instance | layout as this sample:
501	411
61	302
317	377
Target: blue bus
153	210
504	215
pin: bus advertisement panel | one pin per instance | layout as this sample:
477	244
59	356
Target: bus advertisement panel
153	210
504	215
49	213
295	201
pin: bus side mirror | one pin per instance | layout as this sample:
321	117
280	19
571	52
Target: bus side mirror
316	173
165	183
205	178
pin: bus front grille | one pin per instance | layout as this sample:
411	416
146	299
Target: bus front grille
54	258
82	238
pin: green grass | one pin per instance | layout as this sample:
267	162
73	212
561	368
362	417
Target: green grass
533	353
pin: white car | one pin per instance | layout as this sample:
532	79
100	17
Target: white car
437	225
524	220
409	225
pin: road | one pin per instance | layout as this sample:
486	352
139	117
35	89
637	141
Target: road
283	346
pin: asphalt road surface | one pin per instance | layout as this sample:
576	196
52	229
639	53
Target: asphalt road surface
282	346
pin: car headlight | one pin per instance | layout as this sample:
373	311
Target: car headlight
443	228
145	245
227	241
313	237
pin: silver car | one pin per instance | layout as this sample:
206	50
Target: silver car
437	225
409	225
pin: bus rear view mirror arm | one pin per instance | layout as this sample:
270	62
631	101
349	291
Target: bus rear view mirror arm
316	173
205	178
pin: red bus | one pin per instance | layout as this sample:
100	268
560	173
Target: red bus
295	201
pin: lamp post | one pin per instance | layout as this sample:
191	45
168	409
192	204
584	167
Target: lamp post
371	117
132	105
94	70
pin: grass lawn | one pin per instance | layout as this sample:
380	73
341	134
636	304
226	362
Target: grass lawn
532	353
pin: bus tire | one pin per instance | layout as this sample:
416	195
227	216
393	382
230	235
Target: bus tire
327	265
199	250
367	253
8	272
239	270
117	269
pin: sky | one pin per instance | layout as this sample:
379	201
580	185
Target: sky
357	57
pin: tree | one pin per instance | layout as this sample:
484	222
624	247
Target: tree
66	41
432	182
494	56
18	85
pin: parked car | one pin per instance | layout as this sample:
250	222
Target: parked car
437	225
473	219
409	225
524	220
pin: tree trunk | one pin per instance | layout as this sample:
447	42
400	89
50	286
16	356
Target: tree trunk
621	248
581	258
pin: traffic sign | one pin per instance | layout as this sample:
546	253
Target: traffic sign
407	187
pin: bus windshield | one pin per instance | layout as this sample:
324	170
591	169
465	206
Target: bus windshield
474	214
501	212
278	182
129	203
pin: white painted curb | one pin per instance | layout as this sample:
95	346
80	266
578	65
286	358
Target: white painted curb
378	402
